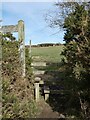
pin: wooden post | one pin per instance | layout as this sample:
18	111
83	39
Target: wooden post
30	49
46	96
36	91
0	73
46	92
22	46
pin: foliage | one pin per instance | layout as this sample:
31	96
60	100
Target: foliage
8	36
17	99
17	94
10	61
77	54
28	61
56	18
75	19
48	44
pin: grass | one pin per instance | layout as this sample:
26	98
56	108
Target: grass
47	54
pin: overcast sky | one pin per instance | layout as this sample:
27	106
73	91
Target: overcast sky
33	14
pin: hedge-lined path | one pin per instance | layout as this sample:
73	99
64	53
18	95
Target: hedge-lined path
46	110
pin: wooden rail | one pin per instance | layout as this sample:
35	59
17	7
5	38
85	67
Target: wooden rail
37	64
38	72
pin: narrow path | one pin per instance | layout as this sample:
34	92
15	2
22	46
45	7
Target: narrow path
46	110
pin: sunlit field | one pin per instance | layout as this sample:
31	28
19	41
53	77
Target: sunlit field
47	54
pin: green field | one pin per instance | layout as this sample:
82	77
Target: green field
47	54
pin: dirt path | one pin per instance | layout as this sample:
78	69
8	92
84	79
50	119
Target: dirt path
46	110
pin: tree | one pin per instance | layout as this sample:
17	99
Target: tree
75	20
28	61
77	53
17	93
9	36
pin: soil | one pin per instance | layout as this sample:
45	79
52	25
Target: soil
46	110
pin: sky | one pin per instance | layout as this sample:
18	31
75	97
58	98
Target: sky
33	15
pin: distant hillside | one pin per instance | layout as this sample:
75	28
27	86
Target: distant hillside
46	45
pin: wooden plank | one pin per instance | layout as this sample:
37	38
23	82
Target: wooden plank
38	72
58	92
41	82
9	28
37	64
46	90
